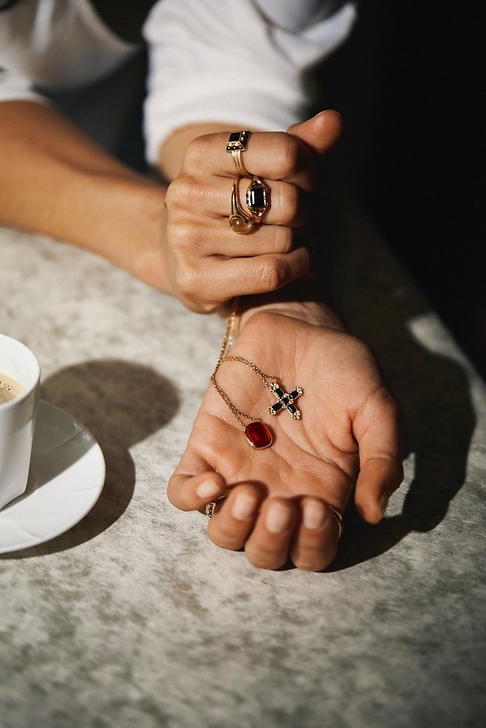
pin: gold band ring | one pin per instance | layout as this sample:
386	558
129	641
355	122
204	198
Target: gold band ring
211	507
237	143
240	223
257	198
338	519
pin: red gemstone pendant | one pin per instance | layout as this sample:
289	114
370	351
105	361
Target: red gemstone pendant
258	435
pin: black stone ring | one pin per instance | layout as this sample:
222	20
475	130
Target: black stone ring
211	507
237	143
257	198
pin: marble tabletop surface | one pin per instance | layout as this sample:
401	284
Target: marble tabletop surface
133	618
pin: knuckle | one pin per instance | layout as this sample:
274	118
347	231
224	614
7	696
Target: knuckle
177	191
185	194
388	401
272	273
196	153
191	288
181	240
187	280
209	306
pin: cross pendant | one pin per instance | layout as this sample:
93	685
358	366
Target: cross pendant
285	401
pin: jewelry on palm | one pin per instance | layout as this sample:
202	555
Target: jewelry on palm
257	433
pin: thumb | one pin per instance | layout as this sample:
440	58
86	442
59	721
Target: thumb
321	132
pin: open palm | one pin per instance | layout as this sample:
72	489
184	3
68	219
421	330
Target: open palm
279	497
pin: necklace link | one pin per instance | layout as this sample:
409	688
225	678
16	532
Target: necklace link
256	432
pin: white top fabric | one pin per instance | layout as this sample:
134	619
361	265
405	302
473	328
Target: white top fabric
241	62
56	45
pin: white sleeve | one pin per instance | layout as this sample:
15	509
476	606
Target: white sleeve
228	62
14	87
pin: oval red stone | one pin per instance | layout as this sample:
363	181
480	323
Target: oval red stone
258	435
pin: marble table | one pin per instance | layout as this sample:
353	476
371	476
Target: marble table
133	618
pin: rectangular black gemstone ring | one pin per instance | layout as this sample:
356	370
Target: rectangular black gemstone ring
237	140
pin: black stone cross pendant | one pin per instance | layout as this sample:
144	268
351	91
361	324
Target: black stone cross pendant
285	401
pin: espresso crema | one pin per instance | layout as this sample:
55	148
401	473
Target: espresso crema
9	389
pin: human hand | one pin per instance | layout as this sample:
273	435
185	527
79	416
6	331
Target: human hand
208	263
279	497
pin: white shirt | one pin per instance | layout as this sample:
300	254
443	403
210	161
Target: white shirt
241	62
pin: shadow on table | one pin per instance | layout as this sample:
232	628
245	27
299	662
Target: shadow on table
379	304
121	403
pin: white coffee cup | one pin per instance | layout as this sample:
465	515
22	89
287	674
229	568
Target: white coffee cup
20	374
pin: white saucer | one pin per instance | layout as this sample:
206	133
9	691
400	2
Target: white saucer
66	478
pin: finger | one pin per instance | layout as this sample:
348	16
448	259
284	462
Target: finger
240	276
316	539
262	240
225	243
189	197
287	204
234	517
268	545
321	132
377	430
271	155
193	485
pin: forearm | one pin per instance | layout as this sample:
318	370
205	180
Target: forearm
55	181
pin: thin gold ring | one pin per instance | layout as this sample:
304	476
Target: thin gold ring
237	143
338	518
239	221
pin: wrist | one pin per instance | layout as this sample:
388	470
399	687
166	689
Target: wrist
132	233
301	300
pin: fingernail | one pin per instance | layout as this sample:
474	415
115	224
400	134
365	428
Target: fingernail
244	506
208	489
314	515
278	518
321	113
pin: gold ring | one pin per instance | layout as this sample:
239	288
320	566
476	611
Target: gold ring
237	143
240	223
257	198
338	519
211	507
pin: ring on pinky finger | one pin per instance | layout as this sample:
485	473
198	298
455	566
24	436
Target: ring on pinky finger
211	507
338	518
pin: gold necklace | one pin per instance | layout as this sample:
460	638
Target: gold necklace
257	433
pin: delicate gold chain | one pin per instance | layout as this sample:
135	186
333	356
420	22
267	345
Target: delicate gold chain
237	414
228	334
223	356
248	363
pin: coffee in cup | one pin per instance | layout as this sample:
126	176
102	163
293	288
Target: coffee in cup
9	388
19	387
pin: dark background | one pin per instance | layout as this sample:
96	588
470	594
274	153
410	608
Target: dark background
409	84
